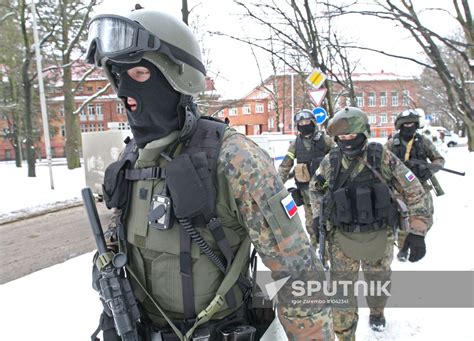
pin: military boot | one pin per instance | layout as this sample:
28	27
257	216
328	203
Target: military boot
377	322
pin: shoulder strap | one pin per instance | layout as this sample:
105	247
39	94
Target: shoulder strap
374	154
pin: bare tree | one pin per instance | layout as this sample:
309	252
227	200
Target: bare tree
457	86
68	19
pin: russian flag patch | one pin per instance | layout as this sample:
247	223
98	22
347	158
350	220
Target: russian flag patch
289	206
410	176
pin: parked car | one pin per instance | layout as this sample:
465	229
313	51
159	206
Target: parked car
441	134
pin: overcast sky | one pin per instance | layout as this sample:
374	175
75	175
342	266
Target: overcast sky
233	65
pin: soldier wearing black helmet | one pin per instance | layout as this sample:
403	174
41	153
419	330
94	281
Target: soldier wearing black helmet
309	148
192	194
359	213
408	145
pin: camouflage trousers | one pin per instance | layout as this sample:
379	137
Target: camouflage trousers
308	213
344	268
402	234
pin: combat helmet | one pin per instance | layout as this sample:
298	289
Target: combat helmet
407	116
304	114
157	37
350	120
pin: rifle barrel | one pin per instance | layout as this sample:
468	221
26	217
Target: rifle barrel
91	209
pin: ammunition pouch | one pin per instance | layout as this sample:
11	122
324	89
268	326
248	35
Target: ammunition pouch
116	187
302	173
343	209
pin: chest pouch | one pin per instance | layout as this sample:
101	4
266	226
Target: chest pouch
116	187
160	212
364	205
343	211
383	203
302	173
186	176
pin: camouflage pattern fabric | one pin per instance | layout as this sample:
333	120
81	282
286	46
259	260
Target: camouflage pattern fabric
412	192
281	243
349	120
284	170
344	268
436	158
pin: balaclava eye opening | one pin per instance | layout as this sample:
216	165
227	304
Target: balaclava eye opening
156	113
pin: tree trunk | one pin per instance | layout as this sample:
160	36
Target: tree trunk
470	134
73	132
29	144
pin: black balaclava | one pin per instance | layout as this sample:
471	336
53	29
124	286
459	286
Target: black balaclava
352	147
407	133
156	115
306	129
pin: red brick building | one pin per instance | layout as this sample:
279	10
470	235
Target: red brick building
381	95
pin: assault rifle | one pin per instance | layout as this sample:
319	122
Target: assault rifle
322	229
114	289
435	167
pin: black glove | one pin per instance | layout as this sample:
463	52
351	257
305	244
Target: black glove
315	227
424	173
416	245
297	196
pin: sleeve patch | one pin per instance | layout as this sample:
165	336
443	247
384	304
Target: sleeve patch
289	206
410	176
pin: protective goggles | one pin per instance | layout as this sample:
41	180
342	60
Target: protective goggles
406	113
123	40
304	115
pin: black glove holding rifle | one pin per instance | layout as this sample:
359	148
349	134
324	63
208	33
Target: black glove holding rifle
114	288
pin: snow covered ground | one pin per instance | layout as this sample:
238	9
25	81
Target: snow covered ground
58	303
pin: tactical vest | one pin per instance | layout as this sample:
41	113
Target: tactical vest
417	152
312	157
167	202
363	203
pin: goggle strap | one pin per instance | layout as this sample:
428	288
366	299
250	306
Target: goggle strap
183	56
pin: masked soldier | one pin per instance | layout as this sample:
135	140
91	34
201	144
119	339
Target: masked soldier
409	146
359	213
309	148
191	195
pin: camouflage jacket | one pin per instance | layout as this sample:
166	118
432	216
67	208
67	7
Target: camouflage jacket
281	242
289	159
397	175
429	150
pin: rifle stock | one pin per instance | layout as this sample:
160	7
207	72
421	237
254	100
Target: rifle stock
115	290
436	167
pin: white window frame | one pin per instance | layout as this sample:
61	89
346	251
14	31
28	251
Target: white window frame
360	100
383	118
394	98
246	109
120	108
90	112
98	111
383	99
259	108
372	119
372	99
406	98
233	111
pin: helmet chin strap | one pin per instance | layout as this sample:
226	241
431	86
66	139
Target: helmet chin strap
188	118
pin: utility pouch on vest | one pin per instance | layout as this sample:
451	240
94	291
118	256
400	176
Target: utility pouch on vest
187	191
343	206
364	205
383	202
115	187
302	173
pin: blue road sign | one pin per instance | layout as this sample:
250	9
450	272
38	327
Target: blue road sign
320	115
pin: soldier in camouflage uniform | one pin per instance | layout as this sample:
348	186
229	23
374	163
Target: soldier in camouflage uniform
409	145
223	189
309	148
359	213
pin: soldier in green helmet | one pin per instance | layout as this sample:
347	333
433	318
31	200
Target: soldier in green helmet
410	146
191	194
359	213
309	148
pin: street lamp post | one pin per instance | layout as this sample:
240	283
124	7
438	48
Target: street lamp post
44	113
